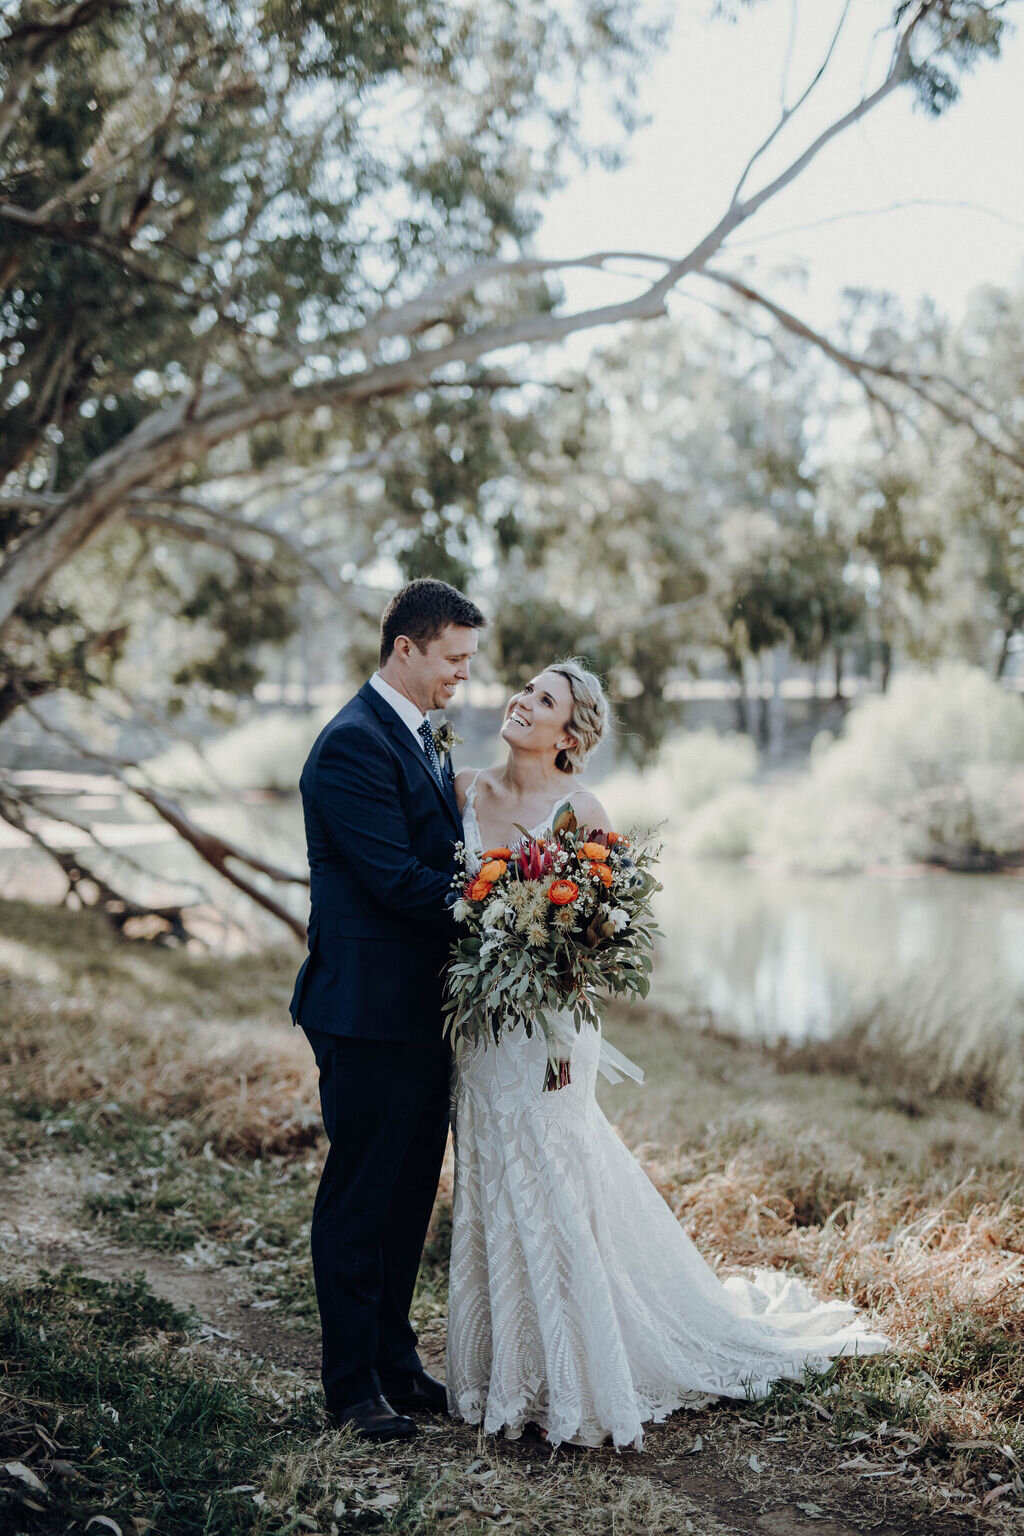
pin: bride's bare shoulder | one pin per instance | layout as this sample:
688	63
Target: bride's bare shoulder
589	810
464	778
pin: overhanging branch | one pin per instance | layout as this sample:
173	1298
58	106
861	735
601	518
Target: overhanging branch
214	850
863	369
180	434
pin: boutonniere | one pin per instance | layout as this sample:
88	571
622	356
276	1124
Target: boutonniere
445	738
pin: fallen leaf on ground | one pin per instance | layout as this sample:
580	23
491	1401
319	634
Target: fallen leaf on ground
24	1474
382	1501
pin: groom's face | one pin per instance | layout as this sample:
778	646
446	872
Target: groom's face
432	675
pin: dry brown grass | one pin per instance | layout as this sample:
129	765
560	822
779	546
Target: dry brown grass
88	1019
916	1212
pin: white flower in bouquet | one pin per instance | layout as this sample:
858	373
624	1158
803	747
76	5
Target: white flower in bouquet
494	914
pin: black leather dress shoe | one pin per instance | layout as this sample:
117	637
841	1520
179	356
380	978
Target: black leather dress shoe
415	1393
373	1419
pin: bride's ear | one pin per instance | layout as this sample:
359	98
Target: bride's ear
566	743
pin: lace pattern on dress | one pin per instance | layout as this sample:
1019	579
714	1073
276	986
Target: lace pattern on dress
577	1301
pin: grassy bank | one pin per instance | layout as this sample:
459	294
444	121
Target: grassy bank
161	1101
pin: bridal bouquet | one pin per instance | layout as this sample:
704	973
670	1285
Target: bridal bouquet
546	925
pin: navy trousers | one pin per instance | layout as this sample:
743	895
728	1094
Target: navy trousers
385	1110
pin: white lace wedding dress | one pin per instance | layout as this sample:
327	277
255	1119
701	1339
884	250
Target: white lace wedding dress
577	1301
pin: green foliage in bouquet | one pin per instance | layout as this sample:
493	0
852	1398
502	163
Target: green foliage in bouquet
546	926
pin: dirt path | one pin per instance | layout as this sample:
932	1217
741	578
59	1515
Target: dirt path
41	1227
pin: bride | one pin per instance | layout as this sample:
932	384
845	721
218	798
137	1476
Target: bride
577	1302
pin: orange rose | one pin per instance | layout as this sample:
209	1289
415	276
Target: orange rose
603	873
617	837
595	851
497	853
492	870
479	890
562	892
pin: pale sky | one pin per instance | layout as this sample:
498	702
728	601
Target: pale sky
715	93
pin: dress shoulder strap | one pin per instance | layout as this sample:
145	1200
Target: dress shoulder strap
470	794
471	787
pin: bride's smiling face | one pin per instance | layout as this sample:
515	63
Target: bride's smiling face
537	717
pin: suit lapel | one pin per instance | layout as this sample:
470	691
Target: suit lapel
403	740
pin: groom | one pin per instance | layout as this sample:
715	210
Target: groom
381	819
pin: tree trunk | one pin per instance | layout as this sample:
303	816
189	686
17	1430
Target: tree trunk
749	698
886	651
1004	652
837	674
776	704
735	666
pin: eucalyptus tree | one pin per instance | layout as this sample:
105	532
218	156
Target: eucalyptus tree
983	492
675	512
250	245
934	512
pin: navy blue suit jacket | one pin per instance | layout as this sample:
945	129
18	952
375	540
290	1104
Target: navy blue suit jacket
380	831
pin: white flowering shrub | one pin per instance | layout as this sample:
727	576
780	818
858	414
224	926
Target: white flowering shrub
690	770
931	771
725	827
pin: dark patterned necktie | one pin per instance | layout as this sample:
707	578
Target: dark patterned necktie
426	735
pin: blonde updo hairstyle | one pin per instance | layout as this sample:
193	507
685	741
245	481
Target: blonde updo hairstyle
589	717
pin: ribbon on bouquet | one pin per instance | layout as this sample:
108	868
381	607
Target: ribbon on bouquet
612	1064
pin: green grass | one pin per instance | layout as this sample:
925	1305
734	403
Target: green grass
105	1406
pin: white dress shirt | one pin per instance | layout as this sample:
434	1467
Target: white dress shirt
404	708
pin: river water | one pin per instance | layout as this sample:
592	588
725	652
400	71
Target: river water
758	952
779	956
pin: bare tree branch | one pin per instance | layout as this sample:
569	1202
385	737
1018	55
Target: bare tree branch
29	501
863	369
85	233
892	411
119	909
894	78
788	113
180	528
227	519
216	851
874	213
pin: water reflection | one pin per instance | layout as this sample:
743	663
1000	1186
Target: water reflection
781	956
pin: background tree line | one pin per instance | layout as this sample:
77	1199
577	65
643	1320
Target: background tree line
255	270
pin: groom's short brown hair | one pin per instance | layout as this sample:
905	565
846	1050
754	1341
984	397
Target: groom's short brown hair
422	610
